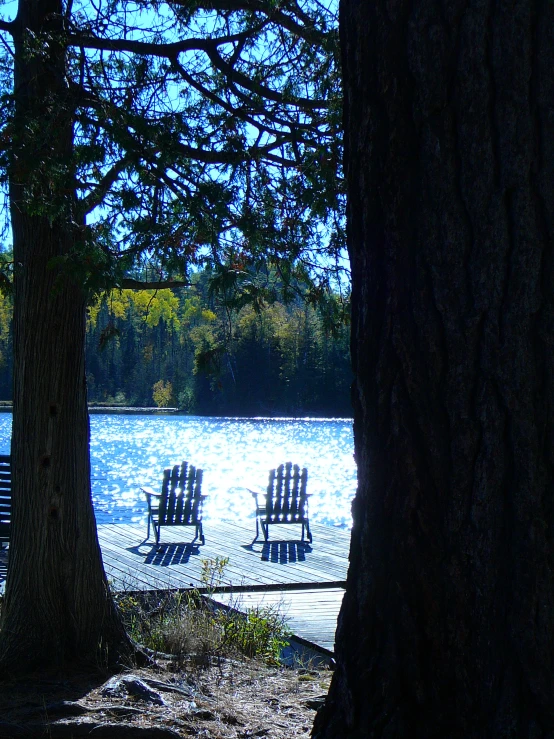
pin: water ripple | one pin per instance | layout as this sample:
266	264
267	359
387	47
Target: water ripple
128	451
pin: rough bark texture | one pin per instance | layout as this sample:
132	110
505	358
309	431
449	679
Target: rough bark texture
447	627
57	606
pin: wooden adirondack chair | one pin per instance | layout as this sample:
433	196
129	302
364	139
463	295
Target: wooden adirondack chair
5	498
180	503
286	500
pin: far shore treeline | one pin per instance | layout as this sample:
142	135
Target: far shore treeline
193	350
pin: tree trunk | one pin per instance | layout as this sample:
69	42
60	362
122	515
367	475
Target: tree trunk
57	606
447	624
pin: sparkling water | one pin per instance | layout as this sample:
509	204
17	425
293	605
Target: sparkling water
131	450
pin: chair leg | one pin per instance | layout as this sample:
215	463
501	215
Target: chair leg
257	529
265	529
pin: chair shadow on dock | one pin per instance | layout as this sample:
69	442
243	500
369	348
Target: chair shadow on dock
284	552
281	551
164	555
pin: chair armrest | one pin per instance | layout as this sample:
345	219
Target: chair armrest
255	493
149	492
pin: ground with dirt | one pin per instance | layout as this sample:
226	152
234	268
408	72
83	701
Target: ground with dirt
212	699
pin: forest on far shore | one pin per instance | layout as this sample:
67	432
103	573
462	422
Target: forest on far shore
191	349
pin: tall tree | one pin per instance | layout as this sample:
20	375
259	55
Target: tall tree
448	620
140	138
55	570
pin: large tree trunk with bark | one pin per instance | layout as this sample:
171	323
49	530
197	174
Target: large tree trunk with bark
447	626
57	607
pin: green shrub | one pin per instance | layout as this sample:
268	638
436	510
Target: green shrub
259	632
183	623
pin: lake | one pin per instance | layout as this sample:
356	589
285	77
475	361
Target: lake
130	450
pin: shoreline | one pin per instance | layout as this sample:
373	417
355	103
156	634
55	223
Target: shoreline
7	407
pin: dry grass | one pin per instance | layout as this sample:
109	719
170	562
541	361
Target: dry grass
229	699
184	622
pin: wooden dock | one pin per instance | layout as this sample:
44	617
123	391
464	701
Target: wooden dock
306	580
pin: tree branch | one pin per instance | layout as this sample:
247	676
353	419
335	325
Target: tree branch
168	51
239	113
102	188
266	92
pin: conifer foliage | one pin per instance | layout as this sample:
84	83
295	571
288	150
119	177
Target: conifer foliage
203	133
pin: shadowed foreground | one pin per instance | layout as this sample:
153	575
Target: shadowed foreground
226	699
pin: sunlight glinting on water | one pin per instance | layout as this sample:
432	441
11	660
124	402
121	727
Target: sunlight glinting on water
128	451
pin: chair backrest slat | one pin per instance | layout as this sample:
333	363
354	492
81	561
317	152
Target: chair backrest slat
270	494
278	500
188	493
196	514
294	504
179	492
285	507
303	497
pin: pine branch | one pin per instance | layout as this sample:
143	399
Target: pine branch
103	187
239	113
304	29
167	51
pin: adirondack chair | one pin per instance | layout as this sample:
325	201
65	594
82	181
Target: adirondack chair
5	498
180	503
286	500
